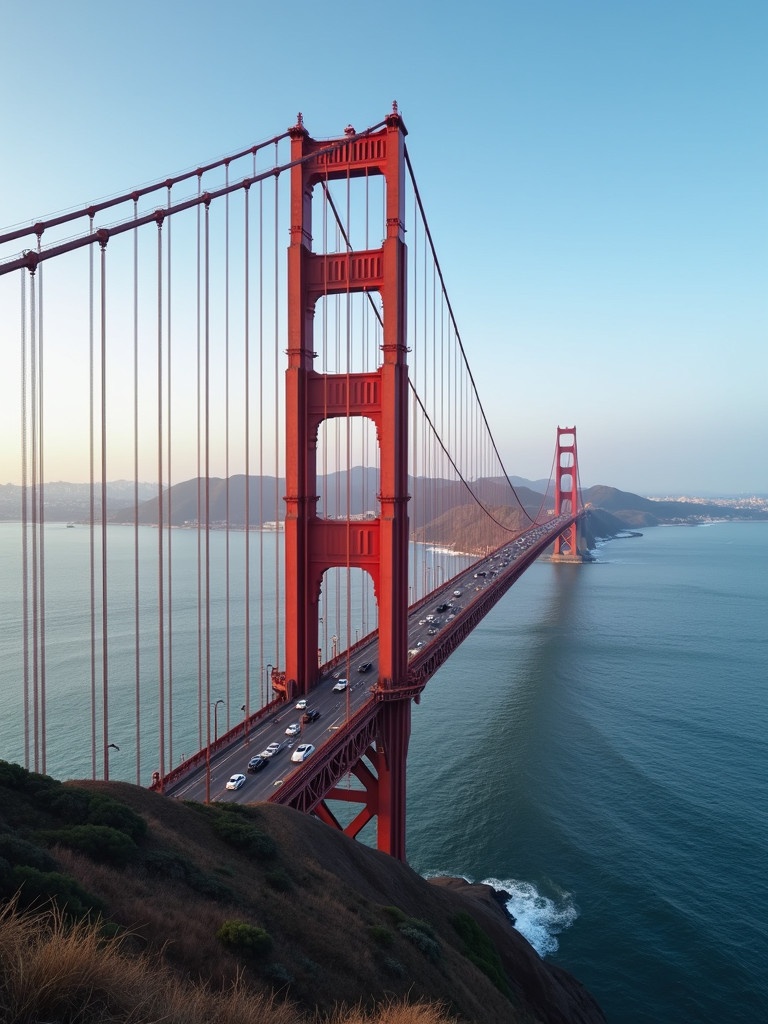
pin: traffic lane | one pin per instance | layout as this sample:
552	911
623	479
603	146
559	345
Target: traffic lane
258	785
333	714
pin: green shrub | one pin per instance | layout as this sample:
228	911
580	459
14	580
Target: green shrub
96	841
423	942
103	810
279	880
278	975
244	836
383	936
18	851
39	887
393	966
422	926
244	938
70	804
166	864
396	914
479	948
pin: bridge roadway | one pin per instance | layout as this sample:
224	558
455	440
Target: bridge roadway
425	626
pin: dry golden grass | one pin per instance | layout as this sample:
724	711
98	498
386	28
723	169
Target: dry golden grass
52	970
329	905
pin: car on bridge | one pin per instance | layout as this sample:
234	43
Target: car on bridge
310	716
302	752
271	750
236	782
365	666
300	705
257	763
293	729
340	685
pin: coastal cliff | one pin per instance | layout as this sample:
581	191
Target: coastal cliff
330	922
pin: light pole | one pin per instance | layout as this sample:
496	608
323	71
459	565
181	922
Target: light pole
216	719
107	748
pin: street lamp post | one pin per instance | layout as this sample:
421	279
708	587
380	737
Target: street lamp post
216	719
112	746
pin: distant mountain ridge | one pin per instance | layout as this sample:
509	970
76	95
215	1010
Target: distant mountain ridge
442	511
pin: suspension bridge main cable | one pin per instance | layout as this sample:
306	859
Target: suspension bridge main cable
458	333
411	385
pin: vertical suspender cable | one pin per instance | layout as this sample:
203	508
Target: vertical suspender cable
262	661
228	640
207	449
104	602
169	482
41	518
199	499
247	439
24	515
34	509
160	525
92	496
278	590
207	435
136	589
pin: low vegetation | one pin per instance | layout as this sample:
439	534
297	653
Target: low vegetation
117	904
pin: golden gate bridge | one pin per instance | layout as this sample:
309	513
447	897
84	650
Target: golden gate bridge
326	398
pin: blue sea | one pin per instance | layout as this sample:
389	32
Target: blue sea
597	748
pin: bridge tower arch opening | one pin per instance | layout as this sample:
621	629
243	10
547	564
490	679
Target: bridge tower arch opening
566	493
379	545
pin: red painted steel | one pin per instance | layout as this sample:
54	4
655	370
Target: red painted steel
380	546
566	492
378	731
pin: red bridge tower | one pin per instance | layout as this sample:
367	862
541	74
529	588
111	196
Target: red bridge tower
566	493
380	546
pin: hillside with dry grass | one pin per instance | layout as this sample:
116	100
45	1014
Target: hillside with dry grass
117	904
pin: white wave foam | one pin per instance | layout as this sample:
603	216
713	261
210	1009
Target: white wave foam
539	919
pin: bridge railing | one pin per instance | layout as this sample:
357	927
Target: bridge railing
191	764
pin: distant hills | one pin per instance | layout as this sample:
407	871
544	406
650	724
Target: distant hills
442	511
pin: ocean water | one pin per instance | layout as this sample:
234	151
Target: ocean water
598	749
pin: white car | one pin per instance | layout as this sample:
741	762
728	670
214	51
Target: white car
236	782
302	752
271	750
340	685
293	729
300	705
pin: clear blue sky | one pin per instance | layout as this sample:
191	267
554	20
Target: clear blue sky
595	173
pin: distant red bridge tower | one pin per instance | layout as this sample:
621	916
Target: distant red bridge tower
566	492
379	546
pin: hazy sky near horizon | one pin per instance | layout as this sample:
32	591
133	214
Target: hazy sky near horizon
595	174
